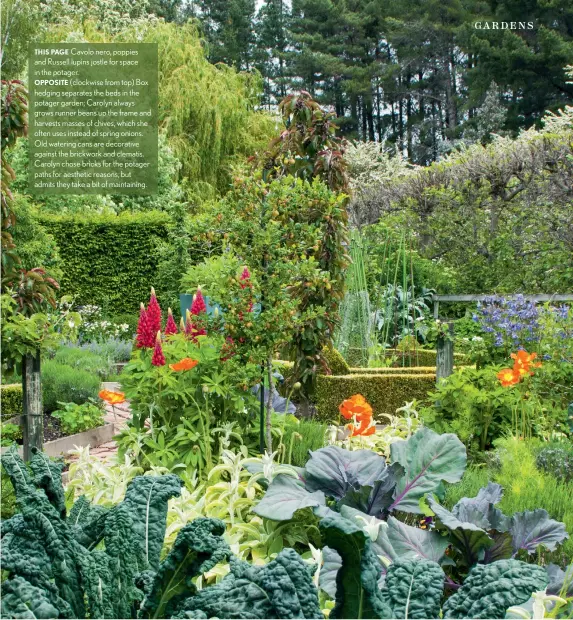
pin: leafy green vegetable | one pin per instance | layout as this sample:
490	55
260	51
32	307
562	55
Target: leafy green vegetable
413	589
363	480
335	471
481	532
283	588
285	496
491	589
427	459
399	541
104	563
357	592
530	529
469	537
147	498
20	599
197	548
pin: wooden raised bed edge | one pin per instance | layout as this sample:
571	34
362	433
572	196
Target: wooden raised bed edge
94	437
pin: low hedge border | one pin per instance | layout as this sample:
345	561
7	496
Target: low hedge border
385	392
12	400
413	370
418	358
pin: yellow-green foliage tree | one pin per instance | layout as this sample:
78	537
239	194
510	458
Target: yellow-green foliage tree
208	112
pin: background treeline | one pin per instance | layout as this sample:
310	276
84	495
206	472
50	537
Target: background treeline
490	211
416	74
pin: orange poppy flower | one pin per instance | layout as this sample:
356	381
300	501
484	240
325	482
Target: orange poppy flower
364	429
355	406
185	364
113	398
508	376
524	362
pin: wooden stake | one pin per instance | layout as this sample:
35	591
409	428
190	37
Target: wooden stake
33	427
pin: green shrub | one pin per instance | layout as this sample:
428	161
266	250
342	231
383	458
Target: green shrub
82	359
112	349
473	404
11	400
556	459
418	357
108	260
385	392
76	418
62	383
335	361
408	370
9	433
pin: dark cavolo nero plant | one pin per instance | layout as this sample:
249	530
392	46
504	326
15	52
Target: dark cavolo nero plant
98	562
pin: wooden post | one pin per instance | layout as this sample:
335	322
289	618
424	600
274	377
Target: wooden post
33	426
445	354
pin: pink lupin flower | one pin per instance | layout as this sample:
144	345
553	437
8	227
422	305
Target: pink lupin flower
182	325
144	338
158	358
170	326
198	306
153	313
188	324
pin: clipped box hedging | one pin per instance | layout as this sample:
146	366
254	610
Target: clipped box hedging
385	392
12	401
416	370
109	260
418	358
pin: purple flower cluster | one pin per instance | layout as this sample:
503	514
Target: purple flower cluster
512	321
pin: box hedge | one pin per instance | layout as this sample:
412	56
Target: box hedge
109	260
385	392
416	370
11	400
418	358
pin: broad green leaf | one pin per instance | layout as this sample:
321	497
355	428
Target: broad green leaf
285	496
413	589
146	498
357	592
427	459
530	529
470	537
336	471
399	541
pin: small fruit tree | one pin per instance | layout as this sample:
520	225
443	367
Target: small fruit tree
308	149
275	230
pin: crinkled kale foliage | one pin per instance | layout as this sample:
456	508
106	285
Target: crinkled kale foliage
105	563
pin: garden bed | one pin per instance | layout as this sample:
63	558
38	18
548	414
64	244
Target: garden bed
94	437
